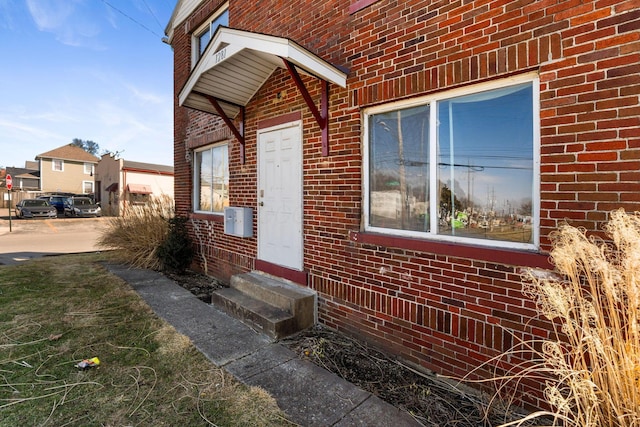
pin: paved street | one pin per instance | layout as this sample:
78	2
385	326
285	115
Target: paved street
40	237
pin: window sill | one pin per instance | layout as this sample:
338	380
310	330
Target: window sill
215	217
494	255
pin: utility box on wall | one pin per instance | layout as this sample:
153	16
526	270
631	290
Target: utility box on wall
238	221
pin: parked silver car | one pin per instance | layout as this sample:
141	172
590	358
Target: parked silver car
35	208
81	206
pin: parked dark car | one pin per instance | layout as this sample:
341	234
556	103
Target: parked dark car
57	201
35	208
81	207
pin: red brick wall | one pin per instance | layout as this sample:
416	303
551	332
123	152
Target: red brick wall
439	306
587	54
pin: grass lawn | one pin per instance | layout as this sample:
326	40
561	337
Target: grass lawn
57	311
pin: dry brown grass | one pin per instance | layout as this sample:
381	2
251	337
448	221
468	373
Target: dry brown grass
138	232
56	311
592	362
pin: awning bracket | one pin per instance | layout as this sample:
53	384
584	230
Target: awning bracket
322	115
237	132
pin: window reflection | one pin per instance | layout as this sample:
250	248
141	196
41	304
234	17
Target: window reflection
400	170
485	164
212	176
482	169
205	37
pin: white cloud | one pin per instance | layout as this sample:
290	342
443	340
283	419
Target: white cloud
146	97
23	140
66	20
113	115
49	16
111	17
21	132
22	113
143	134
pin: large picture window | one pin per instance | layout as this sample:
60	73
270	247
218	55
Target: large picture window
211	179
457	166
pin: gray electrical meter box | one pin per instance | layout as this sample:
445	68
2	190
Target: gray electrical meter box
238	221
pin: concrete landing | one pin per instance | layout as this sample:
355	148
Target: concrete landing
273	306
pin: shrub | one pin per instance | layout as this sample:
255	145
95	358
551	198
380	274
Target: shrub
138	232
176	252
592	362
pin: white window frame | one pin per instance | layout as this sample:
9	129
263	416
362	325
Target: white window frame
56	161
432	101
88	168
196	177
90	184
195	38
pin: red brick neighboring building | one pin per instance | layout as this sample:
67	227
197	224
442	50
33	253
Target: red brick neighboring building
460	134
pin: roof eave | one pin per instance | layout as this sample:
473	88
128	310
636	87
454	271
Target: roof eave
254	55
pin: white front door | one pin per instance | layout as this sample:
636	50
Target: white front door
280	195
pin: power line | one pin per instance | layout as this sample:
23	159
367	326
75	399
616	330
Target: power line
153	14
132	19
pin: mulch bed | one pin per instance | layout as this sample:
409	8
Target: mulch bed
201	285
432	401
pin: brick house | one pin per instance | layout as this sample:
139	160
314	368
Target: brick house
67	169
406	160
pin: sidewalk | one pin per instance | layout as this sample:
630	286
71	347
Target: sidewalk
308	394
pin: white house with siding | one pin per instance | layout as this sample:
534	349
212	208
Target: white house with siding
121	183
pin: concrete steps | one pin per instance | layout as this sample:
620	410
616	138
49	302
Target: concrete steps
272	305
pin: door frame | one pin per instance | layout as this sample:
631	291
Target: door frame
299	264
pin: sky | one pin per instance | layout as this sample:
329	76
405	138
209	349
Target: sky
89	69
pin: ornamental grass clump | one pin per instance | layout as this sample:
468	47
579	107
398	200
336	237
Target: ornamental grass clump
138	232
592	362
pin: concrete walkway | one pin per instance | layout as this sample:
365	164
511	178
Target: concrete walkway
308	394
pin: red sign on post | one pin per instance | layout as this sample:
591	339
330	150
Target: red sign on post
9	182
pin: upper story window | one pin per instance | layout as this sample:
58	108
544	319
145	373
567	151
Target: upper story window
202	36
211	179
88	169
57	165
457	166
87	187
